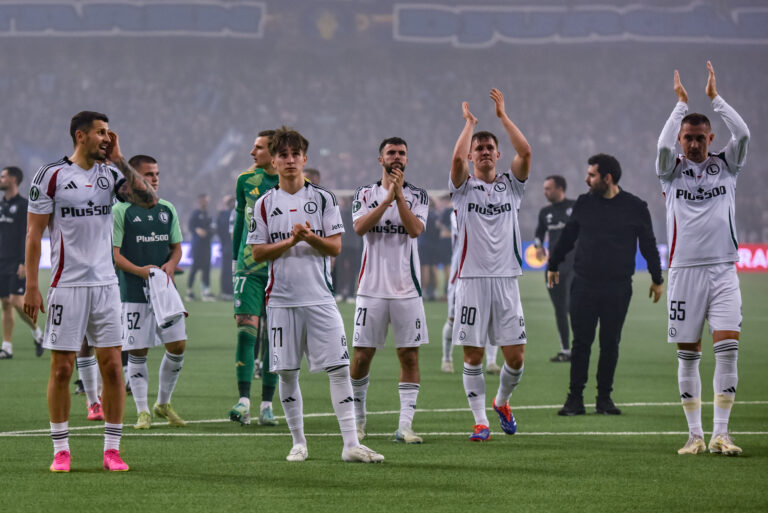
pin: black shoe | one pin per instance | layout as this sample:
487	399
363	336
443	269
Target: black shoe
605	406
561	357
38	349
79	388
128	388
574	405
5	355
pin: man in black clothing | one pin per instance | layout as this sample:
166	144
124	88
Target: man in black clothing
13	232
224	233
552	220
201	228
609	223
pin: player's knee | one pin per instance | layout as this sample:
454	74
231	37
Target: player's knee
62	371
138	352
176	347
7	306
473	355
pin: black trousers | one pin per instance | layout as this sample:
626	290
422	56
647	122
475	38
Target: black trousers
559	294
201	261
226	272
593	302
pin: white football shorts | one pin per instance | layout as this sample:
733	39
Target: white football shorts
702	292
140	329
316	331
373	315
77	312
488	309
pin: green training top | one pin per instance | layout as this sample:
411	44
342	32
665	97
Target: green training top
250	186
143	236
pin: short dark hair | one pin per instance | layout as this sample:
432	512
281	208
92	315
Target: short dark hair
287	137
83	121
138	160
482	135
696	119
266	133
16	173
395	141
606	165
559	181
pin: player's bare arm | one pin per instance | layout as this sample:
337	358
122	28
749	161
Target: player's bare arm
412	225
170	266
33	300
327	246
521	164
711	88
363	224
273	251
124	264
682	94
460	164
666	157
136	189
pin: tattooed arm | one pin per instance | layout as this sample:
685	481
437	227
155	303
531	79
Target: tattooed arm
135	189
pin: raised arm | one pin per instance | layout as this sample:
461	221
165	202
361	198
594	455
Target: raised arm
33	300
736	149
365	222
665	155
136	189
521	164
459	164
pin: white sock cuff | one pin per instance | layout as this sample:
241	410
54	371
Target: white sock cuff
472	370
136	360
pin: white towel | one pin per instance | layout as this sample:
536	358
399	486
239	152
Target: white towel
164	299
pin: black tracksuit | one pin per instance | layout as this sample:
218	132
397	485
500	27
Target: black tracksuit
608	231
552	220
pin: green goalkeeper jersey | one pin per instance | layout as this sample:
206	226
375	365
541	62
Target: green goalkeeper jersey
250	186
143	236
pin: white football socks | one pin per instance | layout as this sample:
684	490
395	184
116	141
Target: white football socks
724	383
689	383
290	397
474	386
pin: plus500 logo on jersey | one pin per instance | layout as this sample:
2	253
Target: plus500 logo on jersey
389	228
701	194
489	210
96	210
163	237
276	236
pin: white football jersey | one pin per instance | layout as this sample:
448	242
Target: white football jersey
80	204
489	236
302	275
390	266
701	198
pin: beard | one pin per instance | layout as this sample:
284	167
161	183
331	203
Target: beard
399	166
599	188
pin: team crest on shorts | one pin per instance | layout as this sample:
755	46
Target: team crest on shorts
672	332
462	335
238	303
131	340
275	359
53	338
164	217
357	336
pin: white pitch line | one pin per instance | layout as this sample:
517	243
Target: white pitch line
384	412
379	435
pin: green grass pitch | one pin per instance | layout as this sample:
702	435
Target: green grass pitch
587	463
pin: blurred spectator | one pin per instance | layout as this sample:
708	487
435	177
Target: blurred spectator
224	234
201	228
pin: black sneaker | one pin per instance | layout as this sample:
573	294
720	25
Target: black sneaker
38	349
605	406
5	355
79	388
574	405
561	357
